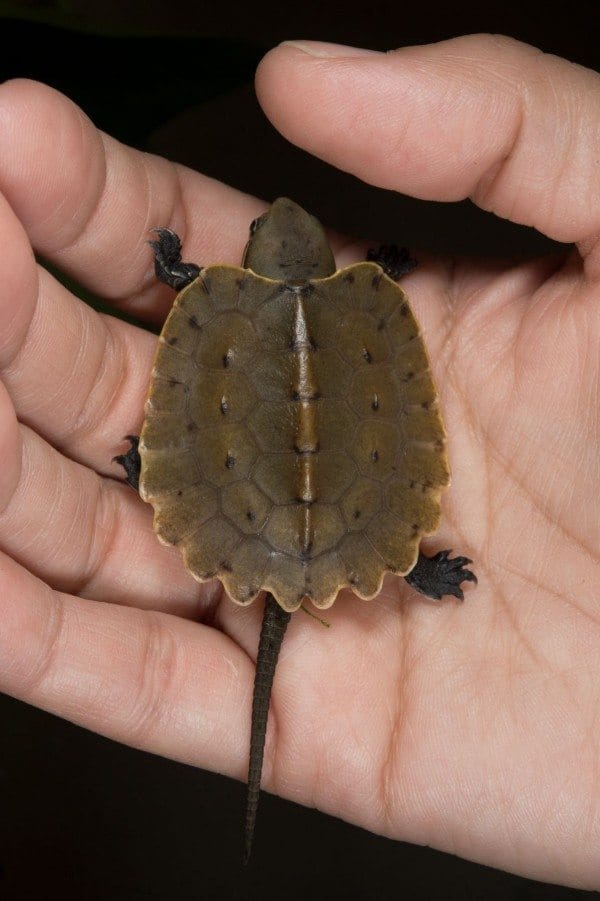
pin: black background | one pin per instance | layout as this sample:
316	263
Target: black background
83	816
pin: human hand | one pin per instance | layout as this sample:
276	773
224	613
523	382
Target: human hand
470	728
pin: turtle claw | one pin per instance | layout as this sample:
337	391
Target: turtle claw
440	575
131	462
167	260
395	261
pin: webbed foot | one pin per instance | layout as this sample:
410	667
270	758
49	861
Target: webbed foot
167	260
395	261
440	575
131	462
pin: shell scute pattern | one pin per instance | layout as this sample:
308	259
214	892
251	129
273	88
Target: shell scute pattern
262	498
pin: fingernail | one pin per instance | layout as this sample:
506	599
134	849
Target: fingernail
328	51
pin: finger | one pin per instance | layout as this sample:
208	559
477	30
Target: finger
147	679
85	534
77	377
92	217
481	116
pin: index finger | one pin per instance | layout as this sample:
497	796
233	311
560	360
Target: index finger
88	202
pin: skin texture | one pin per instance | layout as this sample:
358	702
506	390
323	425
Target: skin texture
472	728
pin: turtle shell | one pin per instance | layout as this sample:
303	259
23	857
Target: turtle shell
292	440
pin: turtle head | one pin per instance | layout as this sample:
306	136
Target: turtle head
288	244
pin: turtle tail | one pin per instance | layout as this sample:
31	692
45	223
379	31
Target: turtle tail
274	624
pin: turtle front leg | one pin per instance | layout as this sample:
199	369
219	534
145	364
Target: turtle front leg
131	462
395	261
167	260
440	575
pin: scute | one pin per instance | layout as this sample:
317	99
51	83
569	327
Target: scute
229	342
245	506
361	503
297	492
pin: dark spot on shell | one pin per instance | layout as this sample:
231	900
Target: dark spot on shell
312	345
411	484
251	515
439	445
409	375
381	325
415	529
225	565
209	574
224	405
375	402
191	426
404	309
353	579
227	359
240	283
374	456
349	277
193	321
206	283
172	341
357	514
230	461
297	396
305	554
173	382
366	355
425	405
306	450
375	281
179	493
284	243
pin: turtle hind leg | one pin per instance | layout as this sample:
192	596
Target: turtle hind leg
131	462
395	261
440	575
167	260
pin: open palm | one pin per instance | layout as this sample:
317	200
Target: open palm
470	727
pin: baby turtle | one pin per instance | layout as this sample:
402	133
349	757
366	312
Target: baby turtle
292	442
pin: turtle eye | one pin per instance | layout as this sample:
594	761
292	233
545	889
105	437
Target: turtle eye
256	224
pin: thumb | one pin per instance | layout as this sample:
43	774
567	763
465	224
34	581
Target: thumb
481	116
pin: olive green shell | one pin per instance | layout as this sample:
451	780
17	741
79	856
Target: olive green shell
292	439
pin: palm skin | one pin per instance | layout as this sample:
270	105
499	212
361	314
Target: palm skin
471	727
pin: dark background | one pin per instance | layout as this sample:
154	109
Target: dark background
82	816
